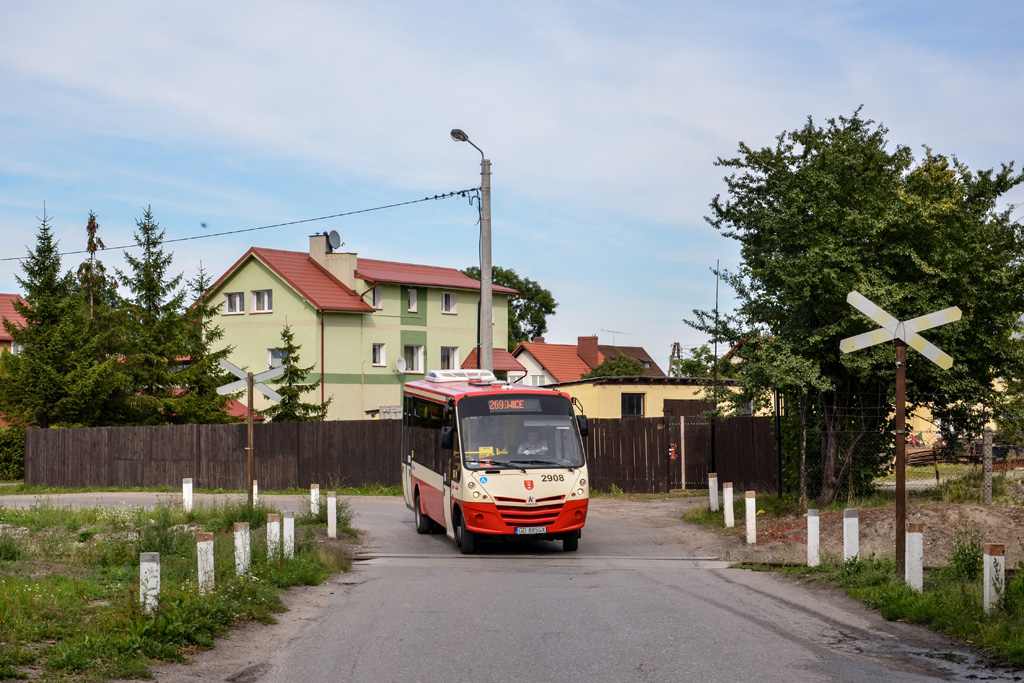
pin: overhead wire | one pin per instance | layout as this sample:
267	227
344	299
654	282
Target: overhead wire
446	195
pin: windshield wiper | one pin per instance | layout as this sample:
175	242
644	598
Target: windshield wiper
537	462
504	463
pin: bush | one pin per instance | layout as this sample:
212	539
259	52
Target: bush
12	453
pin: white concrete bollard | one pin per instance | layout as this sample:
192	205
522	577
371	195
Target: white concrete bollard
314	499
995	573
186	494
255	492
204	555
851	534
243	549
727	504
289	534
914	560
713	491
813	538
751	518
149	580
332	515
273	536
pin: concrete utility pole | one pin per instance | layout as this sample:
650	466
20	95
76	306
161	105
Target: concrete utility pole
485	348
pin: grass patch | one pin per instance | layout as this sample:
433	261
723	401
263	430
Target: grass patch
952	601
69	601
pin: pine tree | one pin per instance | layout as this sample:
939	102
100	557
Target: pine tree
292	385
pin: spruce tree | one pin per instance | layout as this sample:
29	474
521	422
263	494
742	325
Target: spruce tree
59	377
292	385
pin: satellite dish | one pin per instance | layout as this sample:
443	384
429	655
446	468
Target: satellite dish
334	239
400	364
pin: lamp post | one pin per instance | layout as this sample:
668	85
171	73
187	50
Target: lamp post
485	342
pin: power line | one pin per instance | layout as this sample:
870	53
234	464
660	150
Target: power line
459	193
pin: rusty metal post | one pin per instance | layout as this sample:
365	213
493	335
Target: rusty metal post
901	454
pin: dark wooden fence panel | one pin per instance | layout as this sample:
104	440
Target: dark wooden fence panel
632	454
745	453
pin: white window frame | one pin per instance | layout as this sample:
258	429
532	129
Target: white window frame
231	298
453	354
378	298
275	355
413	300
414	360
449	303
16	348
379	355
267	295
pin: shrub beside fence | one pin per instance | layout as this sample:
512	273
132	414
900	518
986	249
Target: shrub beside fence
636	455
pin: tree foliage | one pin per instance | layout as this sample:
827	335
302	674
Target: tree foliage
618	366
830	209
292	385
527	314
700	362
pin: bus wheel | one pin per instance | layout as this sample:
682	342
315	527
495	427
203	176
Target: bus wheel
423	523
467	539
571	541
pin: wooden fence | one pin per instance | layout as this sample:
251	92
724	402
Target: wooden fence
636	455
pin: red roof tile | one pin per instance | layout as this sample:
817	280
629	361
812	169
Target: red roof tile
7	311
503	362
412	274
559	360
307	277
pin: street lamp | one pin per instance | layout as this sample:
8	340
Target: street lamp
485	341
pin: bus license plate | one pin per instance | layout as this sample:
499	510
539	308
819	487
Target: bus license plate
531	530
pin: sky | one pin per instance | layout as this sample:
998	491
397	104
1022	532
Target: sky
602	121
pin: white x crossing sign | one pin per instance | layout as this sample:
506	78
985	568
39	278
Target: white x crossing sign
243	380
906	330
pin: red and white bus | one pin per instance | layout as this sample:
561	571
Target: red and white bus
484	459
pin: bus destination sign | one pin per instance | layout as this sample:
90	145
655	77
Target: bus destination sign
514	405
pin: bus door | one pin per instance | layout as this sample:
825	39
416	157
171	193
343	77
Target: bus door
407	487
452	464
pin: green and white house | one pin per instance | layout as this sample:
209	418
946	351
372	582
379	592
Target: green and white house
354	318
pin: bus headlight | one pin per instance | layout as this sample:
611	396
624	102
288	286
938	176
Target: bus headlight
583	482
476	494
471	485
580	492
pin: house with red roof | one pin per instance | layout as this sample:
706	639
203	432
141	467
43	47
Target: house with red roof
546	364
8	312
366	326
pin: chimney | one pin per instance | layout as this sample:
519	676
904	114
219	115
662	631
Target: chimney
586	348
341	266
538	340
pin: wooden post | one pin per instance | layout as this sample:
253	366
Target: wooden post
914	574
332	515
243	553
149	580
851	534
995	567
813	538
250	460
204	555
727	504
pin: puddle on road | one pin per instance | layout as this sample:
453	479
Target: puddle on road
956	664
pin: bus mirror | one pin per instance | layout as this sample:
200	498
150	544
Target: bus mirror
447	436
581	421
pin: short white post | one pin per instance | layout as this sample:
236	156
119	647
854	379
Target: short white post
813	538
995	569
914	563
314	499
204	553
186	494
289	534
851	534
713	491
751	518
255	492
243	554
273	535
332	515
727	504
149	580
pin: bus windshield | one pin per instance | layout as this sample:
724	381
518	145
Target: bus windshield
518	431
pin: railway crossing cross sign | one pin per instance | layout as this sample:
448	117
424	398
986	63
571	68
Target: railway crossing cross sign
249	382
903	334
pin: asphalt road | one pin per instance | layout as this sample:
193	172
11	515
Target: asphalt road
633	604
